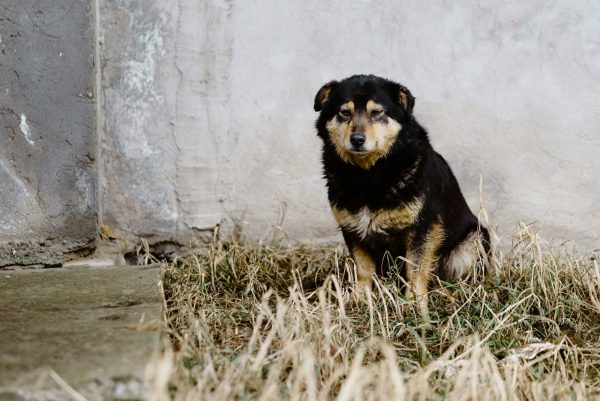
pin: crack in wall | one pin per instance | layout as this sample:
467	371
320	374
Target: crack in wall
100	123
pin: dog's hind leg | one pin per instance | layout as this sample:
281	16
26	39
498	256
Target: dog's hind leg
463	257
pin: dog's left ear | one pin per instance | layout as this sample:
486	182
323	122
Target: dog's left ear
323	95
405	98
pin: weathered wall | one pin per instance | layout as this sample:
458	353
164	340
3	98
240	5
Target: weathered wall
47	129
137	147
165	80
208	113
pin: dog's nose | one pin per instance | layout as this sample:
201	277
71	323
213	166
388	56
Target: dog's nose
357	139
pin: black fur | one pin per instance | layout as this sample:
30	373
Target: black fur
411	169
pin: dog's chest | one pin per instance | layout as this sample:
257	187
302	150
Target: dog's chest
368	223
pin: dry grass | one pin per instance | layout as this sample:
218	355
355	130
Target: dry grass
247	322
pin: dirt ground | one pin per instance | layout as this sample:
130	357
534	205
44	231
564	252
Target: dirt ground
92	329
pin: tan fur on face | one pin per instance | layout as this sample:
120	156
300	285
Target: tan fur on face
348	107
367	222
380	134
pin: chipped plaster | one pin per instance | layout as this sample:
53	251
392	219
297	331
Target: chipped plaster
24	127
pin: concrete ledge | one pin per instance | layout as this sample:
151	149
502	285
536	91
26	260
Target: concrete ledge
94	327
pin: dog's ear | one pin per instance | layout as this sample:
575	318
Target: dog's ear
403	96
323	95
406	99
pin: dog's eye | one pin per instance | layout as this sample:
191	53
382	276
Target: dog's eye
345	114
376	113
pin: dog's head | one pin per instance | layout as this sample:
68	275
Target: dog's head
362	117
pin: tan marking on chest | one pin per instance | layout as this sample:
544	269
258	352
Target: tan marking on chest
367	222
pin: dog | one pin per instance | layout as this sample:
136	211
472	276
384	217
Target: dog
390	191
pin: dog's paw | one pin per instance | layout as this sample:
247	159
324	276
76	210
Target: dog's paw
361	292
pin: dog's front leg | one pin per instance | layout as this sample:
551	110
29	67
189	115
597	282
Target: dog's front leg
363	262
365	269
418	273
423	257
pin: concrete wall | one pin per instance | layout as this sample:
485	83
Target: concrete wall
205	112
47	130
209	117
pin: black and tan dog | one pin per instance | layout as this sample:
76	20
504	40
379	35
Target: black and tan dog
389	190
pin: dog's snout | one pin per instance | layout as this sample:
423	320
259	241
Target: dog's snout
357	139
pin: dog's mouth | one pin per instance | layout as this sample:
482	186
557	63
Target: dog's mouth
360	150
364	157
